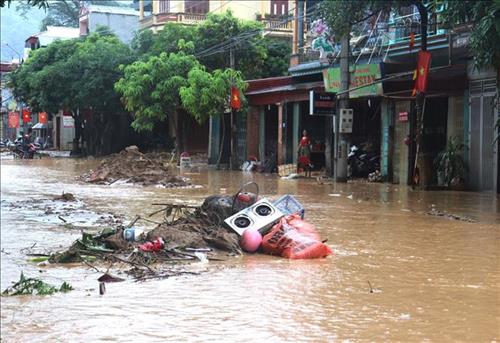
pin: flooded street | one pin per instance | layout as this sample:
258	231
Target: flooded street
397	273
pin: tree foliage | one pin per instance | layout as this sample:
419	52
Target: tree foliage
173	38
208	93
150	89
33	3
75	75
485	36
255	56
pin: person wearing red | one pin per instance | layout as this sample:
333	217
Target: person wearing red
304	151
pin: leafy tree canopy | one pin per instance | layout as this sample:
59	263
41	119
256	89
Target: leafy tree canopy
208	94
150	88
71	74
33	3
255	56
485	36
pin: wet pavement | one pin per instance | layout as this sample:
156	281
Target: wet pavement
397	274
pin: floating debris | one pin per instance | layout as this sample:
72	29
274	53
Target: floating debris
34	286
435	212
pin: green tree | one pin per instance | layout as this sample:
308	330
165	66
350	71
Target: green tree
150	90
485	36
208	95
76	75
277	59
33	3
173	38
249	46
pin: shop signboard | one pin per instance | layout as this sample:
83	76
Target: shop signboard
403	116
363	74
68	121
321	104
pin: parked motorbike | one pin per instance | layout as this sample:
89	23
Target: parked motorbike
361	163
31	152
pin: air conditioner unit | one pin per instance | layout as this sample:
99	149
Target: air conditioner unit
260	216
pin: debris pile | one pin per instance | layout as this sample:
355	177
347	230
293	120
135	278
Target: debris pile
130	165
222	225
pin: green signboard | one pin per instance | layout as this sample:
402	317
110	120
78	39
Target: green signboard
363	74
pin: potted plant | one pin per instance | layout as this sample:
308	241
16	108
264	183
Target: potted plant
450	164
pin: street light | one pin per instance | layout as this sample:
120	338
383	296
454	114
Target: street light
17	52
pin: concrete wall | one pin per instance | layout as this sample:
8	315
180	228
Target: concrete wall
122	25
401	150
455	125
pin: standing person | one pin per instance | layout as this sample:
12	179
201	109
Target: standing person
304	151
27	141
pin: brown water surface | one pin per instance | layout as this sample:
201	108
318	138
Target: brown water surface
433	279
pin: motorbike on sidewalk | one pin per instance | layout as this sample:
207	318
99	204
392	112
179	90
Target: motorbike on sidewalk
361	163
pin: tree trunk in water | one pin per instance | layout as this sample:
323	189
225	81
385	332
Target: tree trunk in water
420	100
221	142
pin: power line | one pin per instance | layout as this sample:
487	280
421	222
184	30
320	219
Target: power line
240	36
233	41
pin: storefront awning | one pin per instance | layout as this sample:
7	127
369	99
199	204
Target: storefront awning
40	126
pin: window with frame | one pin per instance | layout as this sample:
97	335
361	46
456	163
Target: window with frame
164	6
279	7
196	6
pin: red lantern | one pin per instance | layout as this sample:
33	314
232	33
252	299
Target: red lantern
235	98
26	116
13	120
42	117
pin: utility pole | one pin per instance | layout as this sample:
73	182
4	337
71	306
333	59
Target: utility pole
233	161
343	102
420	100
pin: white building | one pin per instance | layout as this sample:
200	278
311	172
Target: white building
122	21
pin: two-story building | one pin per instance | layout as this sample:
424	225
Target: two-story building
154	14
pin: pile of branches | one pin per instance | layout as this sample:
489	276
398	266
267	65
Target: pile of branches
130	165
191	233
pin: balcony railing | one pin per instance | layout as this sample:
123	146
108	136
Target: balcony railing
161	19
278	24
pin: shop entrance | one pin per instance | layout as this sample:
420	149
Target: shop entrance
315	127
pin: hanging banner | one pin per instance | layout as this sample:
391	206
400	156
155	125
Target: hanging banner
363	74
13	120
42	117
68	121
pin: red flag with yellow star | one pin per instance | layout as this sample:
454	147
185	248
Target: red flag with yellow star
422	72
235	98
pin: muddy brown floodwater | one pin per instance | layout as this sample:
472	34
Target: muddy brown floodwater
432	278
